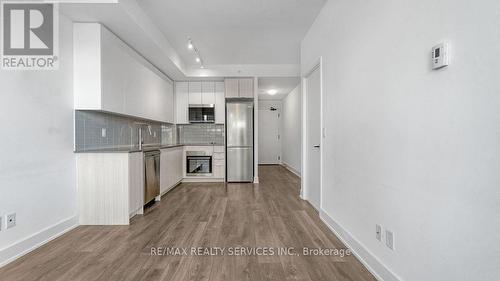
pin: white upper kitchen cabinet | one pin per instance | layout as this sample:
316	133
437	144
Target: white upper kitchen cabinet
220	103
232	90
246	88
195	93
239	88
208	92
182	102
110	76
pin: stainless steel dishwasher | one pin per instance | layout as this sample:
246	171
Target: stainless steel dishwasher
151	175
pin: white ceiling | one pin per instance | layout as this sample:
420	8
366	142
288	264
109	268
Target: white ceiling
235	32
129	23
235	37
284	85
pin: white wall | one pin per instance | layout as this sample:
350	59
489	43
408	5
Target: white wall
290	108
291	127
415	150
268	103
37	167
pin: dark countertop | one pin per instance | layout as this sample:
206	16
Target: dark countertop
146	148
109	150
203	144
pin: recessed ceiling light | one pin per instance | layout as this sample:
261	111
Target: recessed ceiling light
198	59
202	66
190	45
272	92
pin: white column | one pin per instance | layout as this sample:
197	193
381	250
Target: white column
256	129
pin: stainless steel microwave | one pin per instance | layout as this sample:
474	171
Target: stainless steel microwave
201	113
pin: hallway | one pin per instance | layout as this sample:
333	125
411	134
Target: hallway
269	214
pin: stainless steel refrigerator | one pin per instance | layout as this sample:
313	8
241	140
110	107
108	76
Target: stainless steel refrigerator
239	141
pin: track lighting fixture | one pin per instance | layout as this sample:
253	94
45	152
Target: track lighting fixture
191	46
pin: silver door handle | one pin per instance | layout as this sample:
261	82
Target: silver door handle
316	146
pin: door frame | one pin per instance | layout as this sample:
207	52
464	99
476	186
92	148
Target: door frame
318	64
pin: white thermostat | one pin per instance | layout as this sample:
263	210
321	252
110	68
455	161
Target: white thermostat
440	56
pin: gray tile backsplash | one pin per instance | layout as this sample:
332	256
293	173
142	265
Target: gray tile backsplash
201	134
123	132
97	130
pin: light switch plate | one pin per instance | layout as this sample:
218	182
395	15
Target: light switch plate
378	232
389	239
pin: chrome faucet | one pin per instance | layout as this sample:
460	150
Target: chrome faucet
141	139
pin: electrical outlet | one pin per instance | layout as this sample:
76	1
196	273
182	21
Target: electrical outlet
10	221
378	232
389	239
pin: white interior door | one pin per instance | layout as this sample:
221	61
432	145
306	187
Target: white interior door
269	136
313	138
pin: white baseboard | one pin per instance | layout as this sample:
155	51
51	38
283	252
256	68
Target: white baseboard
170	188
371	262
139	211
297	173
21	248
201	180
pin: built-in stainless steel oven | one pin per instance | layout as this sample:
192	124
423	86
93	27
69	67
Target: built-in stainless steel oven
198	163
201	113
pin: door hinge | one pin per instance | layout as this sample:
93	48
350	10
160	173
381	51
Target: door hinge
279	157
279	136
279	115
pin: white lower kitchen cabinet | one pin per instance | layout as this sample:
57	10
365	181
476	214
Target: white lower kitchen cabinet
170	168
219	162
219	171
110	187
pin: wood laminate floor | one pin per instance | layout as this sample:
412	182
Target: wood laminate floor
234	216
